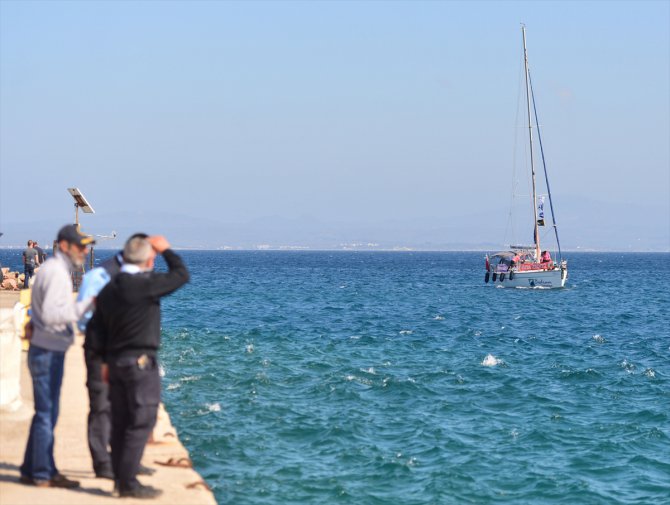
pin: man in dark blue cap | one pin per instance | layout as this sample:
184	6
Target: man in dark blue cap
51	333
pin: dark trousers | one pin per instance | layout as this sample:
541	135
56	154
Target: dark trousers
99	415
135	393
46	370
29	273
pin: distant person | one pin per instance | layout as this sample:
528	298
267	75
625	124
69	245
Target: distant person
546	257
30	262
126	329
50	331
99	417
41	255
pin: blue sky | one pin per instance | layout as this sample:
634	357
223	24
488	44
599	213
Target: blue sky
348	112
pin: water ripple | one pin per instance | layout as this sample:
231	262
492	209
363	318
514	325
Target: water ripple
366	379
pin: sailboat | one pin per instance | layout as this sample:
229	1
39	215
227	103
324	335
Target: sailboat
529	266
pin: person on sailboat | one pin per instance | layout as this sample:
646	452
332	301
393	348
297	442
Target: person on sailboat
546	258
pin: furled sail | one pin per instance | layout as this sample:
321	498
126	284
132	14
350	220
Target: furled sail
540	211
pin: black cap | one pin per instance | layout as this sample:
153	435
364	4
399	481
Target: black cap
72	234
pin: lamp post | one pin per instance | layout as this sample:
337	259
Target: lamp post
80	202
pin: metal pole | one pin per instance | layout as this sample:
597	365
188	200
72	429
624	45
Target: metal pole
530	138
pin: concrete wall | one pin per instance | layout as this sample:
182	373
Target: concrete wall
12	316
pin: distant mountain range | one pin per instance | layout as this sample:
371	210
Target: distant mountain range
583	224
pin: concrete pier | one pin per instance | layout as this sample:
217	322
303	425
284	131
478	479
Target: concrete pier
179	485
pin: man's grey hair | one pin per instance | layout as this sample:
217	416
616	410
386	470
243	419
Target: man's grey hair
137	251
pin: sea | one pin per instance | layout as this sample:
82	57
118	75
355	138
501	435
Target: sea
402	378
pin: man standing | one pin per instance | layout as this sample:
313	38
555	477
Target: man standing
41	255
99	416
51	333
30	261
126	330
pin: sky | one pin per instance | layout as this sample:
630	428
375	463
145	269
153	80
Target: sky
270	122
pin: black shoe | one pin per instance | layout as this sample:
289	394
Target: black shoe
104	473
57	480
141	492
28	481
145	470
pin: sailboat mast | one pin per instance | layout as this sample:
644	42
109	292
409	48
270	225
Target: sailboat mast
530	139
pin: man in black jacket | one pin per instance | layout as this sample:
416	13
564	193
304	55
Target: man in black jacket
126	324
99	416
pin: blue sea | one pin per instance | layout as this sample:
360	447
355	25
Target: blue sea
401	378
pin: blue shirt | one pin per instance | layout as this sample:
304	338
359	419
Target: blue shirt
91	285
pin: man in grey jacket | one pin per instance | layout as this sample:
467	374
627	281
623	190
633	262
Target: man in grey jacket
53	313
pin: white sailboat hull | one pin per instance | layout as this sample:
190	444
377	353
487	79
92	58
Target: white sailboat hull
538	279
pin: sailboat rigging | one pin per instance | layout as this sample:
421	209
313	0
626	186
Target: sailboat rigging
525	266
